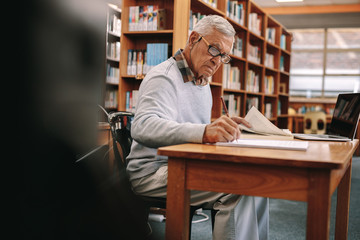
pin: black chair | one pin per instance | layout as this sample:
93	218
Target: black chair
120	125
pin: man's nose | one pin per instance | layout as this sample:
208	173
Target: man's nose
216	60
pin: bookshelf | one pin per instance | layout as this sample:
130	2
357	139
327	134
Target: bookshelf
113	35
258	73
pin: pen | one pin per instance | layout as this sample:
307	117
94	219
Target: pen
224	106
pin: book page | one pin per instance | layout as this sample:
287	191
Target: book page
272	144
260	124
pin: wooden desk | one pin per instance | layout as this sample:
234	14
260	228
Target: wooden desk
311	176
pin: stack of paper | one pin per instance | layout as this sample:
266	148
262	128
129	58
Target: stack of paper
273	144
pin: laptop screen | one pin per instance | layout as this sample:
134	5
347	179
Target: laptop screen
346	115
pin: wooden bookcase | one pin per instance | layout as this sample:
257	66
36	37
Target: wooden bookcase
253	39
112	76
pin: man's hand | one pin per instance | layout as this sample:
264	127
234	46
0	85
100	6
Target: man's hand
223	129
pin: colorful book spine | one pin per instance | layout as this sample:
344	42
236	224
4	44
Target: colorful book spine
147	18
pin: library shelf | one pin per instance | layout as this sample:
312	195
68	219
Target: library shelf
264	53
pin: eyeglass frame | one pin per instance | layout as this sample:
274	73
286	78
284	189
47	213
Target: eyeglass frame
213	47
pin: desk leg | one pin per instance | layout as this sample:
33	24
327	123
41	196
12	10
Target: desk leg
342	206
319	202
178	201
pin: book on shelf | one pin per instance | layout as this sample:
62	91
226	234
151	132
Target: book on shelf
279	108
282	68
237	49
141	61
113	50
269	84
146	18
262	128
114	25
251	102
254	53
252	81
255	23
236	11
131	100
212	3
112	74
283	42
111	97
269	60
232	103
268	110
270	35
231	77
194	18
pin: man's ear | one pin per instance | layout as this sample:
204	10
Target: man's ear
194	37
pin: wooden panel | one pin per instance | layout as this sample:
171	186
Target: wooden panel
181	23
319	202
342	206
180	203
244	179
313	9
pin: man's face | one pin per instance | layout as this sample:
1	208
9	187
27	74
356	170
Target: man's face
204	64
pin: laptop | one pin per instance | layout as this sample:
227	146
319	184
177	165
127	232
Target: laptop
344	120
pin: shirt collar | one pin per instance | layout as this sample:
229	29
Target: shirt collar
185	70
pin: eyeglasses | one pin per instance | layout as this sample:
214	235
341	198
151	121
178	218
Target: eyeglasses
225	58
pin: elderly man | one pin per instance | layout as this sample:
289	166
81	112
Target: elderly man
174	107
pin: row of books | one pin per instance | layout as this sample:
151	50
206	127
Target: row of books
146	18
270	35
269	60
283	42
252	81
238	46
194	18
279	108
112	74
232	104
111	98
254	53
250	102
231	77
282	67
212	3
236	11
268	110
255	23
114	24
140	62
269	84
113	50
131	100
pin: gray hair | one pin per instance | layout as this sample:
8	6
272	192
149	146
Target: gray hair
206	25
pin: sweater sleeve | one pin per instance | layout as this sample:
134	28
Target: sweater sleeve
157	111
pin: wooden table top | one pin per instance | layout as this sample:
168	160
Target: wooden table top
331	155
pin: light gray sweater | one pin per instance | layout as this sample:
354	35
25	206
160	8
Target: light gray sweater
168	112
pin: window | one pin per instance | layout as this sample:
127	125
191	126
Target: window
325	62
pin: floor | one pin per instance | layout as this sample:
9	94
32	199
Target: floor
287	218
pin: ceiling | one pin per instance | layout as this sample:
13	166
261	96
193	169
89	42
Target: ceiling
273	3
320	20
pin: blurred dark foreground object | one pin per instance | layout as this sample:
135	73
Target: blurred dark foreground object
64	75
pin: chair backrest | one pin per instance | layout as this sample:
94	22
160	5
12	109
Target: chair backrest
120	125
315	122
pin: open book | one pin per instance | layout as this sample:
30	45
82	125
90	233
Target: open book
262	128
